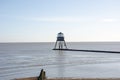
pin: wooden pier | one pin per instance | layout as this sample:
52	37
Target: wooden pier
100	51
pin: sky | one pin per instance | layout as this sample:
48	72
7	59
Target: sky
41	20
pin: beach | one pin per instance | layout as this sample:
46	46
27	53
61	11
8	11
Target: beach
34	78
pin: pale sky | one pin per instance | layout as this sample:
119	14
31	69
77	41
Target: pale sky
41	20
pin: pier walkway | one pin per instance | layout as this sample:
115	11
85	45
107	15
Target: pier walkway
100	51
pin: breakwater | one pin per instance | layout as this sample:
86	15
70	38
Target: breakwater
100	51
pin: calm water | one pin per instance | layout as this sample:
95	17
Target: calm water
27	59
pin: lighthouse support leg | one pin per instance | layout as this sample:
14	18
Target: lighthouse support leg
55	45
65	44
59	45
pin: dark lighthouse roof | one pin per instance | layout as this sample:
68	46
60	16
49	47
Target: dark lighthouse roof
60	34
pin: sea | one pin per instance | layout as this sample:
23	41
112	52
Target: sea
20	60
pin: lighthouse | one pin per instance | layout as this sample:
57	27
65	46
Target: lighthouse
60	42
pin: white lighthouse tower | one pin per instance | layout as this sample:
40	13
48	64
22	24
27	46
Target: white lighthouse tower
60	42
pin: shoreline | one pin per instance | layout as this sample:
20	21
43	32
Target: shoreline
35	78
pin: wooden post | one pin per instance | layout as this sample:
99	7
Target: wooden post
42	75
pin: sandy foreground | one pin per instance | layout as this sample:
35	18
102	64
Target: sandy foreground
34	78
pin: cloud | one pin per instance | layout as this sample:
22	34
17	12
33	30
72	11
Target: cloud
110	20
67	19
58	19
74	19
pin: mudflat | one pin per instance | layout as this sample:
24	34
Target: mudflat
35	78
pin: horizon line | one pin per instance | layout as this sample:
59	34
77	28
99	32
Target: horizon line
66	42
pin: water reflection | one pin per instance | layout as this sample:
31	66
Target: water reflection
60	58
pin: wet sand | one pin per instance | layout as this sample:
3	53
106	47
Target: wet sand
35	78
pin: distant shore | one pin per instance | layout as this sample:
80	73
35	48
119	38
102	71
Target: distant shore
35	78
